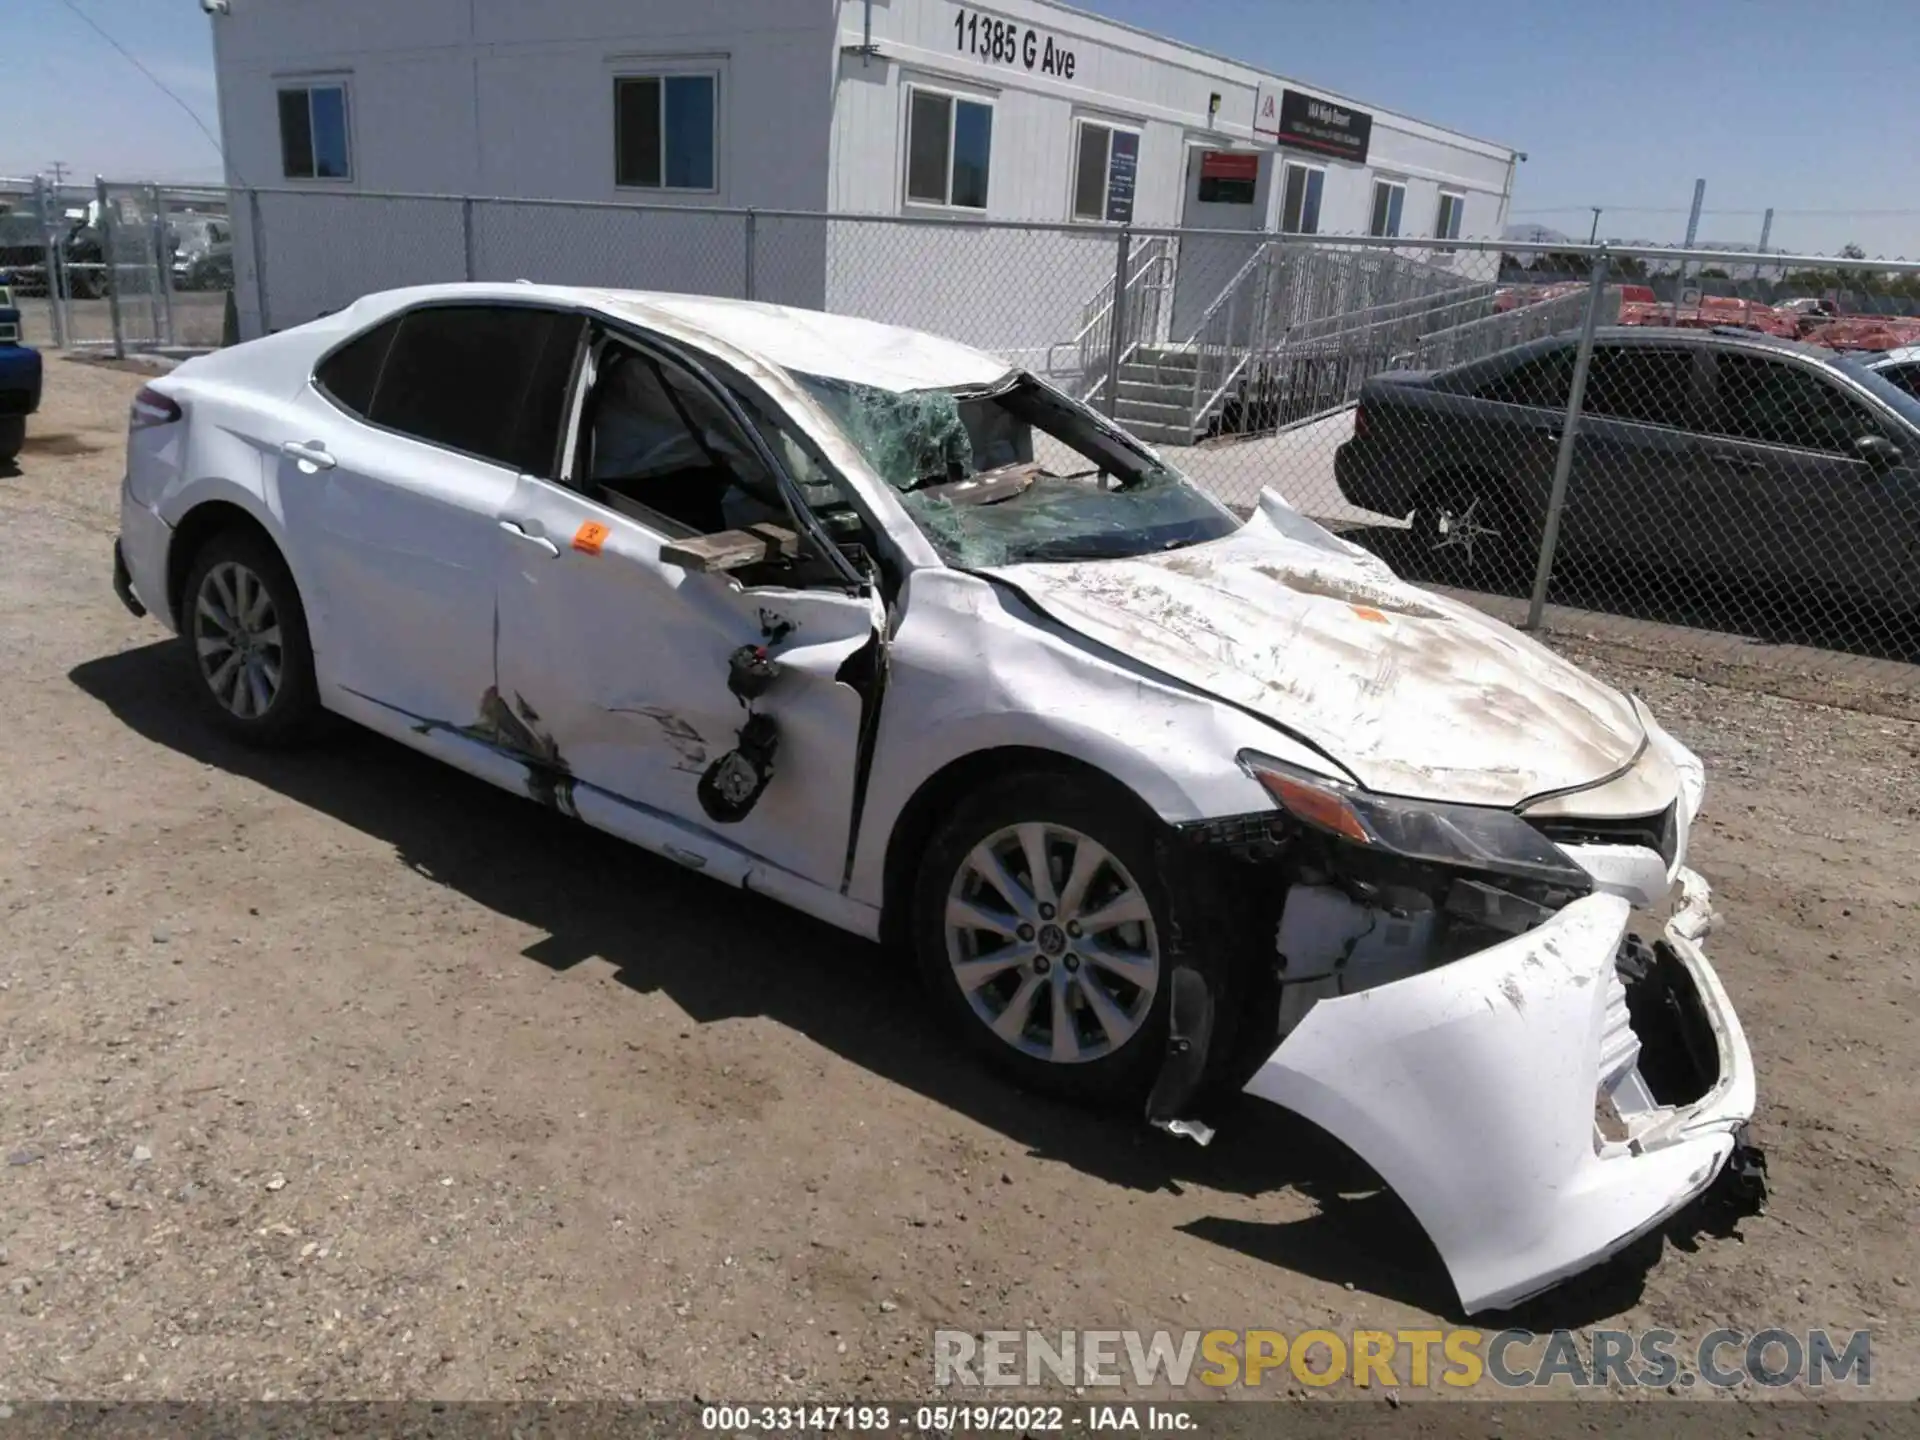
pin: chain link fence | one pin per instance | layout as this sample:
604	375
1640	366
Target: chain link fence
126	266
1610	439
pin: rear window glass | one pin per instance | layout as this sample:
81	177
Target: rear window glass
1544	381
480	379
350	374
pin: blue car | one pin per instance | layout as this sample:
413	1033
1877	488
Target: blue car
19	380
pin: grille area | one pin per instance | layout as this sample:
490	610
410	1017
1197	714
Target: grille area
1656	832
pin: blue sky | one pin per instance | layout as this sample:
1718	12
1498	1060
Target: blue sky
1813	108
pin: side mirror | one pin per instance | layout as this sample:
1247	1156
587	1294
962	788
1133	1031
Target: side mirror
1878	451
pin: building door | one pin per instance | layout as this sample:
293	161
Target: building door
1225	190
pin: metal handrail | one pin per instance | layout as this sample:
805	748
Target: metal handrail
1158	257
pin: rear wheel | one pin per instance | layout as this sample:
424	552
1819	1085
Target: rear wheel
245	636
1040	926
13	434
1468	530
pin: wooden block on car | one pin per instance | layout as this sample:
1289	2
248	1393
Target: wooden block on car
731	549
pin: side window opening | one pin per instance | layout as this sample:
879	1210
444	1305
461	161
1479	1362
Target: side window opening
1907	377
1643	384
1775	402
489	381
656	446
1545	382
350	375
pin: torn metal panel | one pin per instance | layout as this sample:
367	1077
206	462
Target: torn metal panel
629	662
1417	695
971	668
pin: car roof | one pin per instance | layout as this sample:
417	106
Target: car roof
1718	337
810	342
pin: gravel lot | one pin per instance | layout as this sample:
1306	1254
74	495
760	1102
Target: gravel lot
343	1075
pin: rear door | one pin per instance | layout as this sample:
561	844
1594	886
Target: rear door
1638	463
622	670
1797	504
417	434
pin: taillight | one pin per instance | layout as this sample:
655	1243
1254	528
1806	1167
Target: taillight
1359	422
151	408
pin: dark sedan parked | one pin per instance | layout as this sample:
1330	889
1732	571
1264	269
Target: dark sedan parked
1717	452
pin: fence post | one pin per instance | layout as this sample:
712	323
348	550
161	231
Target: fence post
466	237
1569	435
751	236
259	229
162	269
50	248
107	242
1117	319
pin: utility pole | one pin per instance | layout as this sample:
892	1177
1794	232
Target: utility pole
1594	234
1693	233
58	172
1766	232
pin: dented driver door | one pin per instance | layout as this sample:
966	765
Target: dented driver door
617	665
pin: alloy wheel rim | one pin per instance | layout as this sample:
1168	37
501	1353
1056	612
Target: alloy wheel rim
236	634
1052	943
1461	528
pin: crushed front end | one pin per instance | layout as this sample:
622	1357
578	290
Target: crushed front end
1484	1007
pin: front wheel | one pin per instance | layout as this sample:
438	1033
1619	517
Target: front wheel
13	435
1468	531
1040	926
245	637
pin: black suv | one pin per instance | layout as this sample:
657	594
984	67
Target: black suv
1711	452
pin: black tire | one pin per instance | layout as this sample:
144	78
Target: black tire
1113	1075
1469	530
13	435
280	642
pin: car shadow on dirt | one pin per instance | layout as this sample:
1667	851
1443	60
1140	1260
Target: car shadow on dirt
1765	612
720	954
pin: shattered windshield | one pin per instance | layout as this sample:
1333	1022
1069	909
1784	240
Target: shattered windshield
1016	471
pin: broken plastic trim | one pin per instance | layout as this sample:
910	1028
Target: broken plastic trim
1182	1072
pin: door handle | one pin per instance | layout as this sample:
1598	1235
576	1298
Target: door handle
308	452
539	541
1735	462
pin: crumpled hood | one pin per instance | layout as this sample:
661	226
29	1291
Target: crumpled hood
1413	693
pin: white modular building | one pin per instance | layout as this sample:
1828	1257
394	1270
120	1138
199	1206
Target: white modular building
1022	112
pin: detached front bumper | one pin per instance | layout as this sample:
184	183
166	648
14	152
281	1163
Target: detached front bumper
1511	1101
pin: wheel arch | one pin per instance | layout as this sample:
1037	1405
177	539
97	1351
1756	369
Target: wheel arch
198	526
940	792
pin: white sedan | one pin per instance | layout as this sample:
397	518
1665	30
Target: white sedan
1163	802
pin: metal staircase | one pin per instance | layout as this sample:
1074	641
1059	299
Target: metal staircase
1293	333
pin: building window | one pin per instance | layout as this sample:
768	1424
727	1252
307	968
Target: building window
664	131
949	146
313	133
1389	197
1452	207
1300	212
1106	163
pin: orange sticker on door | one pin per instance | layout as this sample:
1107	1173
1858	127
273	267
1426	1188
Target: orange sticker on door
590	537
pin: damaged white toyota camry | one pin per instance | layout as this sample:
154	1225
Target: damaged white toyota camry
1163	801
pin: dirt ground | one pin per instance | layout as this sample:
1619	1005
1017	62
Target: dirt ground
342	1075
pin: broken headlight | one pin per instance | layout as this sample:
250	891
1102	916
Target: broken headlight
1476	838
